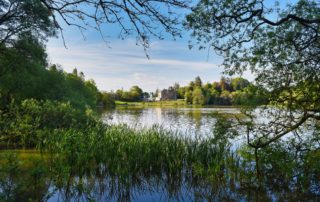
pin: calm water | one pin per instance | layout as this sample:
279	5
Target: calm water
39	178
195	122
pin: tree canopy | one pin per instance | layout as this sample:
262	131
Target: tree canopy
44	17
279	44
25	74
24	16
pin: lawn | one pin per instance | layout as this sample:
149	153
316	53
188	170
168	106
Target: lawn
178	102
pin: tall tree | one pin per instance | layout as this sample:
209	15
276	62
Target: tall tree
280	45
136	93
198	82
198	97
239	83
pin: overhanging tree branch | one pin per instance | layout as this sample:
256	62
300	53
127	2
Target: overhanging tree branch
141	18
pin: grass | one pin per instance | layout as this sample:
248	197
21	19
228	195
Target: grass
179	102
141	148
128	156
129	159
168	103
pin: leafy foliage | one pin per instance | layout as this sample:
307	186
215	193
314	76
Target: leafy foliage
134	94
235	91
24	75
24	16
279	45
27	123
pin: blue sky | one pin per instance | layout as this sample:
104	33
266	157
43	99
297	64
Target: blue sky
122	64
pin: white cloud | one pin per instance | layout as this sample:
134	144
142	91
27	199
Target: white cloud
125	64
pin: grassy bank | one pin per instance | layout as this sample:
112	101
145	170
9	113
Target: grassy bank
167	103
180	102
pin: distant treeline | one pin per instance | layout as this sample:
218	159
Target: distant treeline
228	91
25	74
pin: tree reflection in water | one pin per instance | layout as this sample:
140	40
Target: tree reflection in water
154	166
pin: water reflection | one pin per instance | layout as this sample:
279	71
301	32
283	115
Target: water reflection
121	165
194	122
35	177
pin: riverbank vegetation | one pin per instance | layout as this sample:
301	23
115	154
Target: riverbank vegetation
103	162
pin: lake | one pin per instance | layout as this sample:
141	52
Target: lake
192	122
203	172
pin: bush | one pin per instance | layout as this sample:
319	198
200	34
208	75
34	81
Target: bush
25	122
